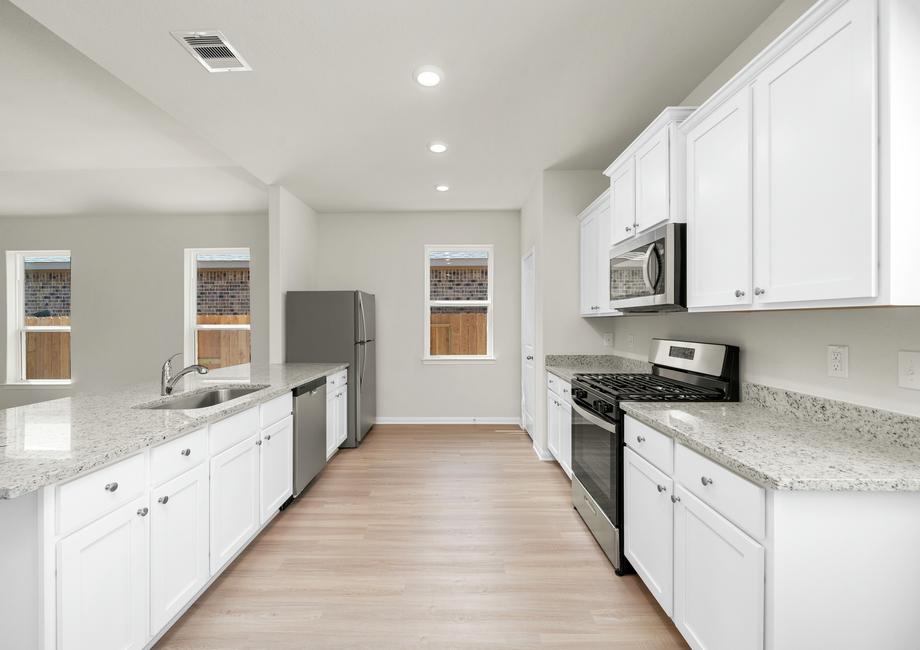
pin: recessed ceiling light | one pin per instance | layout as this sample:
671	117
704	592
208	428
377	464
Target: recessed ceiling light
437	147
428	76
441	188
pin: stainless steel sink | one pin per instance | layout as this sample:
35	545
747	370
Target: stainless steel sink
202	399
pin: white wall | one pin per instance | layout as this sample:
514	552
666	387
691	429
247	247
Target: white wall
788	349
292	266
383	253
127	290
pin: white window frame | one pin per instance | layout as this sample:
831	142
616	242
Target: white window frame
489	357
16	327
190	349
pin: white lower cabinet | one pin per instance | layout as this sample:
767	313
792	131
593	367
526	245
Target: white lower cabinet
342	423
649	532
565	436
336	419
552	424
102	588
718	579
276	459
234	499
178	543
559	424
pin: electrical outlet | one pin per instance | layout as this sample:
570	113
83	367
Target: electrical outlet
838	361
608	339
909	369
630	342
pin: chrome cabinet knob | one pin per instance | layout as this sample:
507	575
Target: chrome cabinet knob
142	512
739	293
268	436
674	498
758	291
705	480
628	228
111	487
258	442
529	357
164	500
186	452
640	438
662	488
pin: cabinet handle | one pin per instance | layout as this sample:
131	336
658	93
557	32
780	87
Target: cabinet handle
758	291
628	228
662	488
268	436
705	480
640	438
186	452
164	500
111	487
674	498
142	512
258	442
529	357
739	293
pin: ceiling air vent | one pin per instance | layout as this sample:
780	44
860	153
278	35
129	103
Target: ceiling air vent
213	51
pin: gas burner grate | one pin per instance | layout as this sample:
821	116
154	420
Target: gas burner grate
647	388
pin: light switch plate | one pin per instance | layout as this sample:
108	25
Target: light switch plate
630	342
838	361
909	369
608	339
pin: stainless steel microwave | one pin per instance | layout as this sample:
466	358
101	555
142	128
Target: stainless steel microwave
648	273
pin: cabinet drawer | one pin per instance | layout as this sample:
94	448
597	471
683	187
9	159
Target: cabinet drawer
226	433
276	410
89	497
338	379
735	498
552	382
652	445
174	457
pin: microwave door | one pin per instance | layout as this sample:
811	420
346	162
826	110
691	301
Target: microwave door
647	274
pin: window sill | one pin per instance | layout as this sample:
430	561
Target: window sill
39	383
459	360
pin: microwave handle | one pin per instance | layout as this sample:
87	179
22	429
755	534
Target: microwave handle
651	258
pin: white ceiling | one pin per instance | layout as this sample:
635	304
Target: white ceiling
331	112
76	140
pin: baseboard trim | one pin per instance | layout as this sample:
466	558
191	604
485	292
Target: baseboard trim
542	454
427	420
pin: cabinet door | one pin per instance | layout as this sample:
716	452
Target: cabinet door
604	238
649	527
552	424
653	181
276	467
102	582
815	172
719	206
565	436
178	543
623	202
589	234
718	579
332	429
234	499
342	420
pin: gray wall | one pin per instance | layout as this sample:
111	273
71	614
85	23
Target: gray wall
788	349
383	253
128	287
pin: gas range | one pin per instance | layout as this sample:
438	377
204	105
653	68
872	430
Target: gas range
682	371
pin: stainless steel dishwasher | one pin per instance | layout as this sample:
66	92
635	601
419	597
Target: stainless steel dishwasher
309	432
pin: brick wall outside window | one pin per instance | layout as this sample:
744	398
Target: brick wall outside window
47	292
223	291
459	283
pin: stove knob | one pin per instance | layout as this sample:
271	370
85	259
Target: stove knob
602	407
579	393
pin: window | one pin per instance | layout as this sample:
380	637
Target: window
218	322
38	317
458	303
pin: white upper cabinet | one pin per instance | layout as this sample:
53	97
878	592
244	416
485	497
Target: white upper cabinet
623	201
594	237
588	231
815	171
645	180
719	208
812	153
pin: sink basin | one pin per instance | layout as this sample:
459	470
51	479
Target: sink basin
204	398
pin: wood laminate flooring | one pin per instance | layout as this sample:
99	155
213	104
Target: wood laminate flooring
428	537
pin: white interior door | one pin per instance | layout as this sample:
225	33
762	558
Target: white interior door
528	343
815	171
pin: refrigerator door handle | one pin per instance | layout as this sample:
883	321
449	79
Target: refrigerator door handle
363	366
363	337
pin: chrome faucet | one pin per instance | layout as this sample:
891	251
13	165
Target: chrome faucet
168	380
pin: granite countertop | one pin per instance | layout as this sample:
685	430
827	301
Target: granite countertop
779	450
52	441
568	365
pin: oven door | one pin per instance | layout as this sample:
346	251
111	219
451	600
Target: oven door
647	272
596	459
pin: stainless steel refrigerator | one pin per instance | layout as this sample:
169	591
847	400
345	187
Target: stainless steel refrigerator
337	326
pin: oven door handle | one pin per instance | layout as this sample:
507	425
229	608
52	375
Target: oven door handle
593	419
